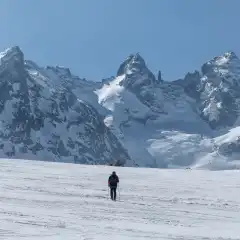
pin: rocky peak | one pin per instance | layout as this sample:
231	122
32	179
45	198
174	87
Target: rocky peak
11	57
159	78
13	53
60	71
222	65
231	55
12	73
134	63
190	83
42	117
137	74
226	58
216	89
222	72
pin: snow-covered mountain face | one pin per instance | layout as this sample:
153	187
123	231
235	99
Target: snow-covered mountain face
141	81
133	119
164	124
153	119
42	117
216	90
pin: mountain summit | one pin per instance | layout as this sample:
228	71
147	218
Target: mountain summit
136	73
42	118
133	119
134	63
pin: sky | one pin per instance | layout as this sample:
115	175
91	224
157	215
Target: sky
93	37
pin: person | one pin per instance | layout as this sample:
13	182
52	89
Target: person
113	181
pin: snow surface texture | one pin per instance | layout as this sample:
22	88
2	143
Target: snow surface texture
53	201
133	119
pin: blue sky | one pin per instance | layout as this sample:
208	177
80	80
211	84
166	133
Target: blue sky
92	37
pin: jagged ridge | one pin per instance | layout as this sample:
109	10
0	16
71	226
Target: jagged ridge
173	123
133	119
41	117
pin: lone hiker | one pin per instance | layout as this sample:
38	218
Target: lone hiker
113	181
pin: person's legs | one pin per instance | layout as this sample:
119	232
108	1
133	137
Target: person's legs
111	193
115	193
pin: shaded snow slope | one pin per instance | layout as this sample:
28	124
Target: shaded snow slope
41	116
53	201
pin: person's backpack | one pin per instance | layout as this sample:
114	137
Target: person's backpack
113	180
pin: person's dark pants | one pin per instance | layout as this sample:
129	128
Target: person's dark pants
113	192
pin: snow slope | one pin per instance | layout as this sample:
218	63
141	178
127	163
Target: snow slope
42	117
56	201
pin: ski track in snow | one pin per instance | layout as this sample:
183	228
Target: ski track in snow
42	200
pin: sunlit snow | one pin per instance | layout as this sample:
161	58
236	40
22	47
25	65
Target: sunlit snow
53	201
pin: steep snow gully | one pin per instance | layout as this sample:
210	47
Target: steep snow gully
53	201
132	119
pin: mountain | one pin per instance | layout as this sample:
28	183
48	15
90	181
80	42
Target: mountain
178	123
216	90
132	119
42	118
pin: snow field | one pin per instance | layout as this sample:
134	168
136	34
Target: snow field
55	201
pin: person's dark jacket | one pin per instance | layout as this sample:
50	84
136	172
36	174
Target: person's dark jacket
113	181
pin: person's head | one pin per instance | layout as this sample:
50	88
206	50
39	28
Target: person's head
113	173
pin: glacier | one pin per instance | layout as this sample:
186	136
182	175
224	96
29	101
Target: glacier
53	201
